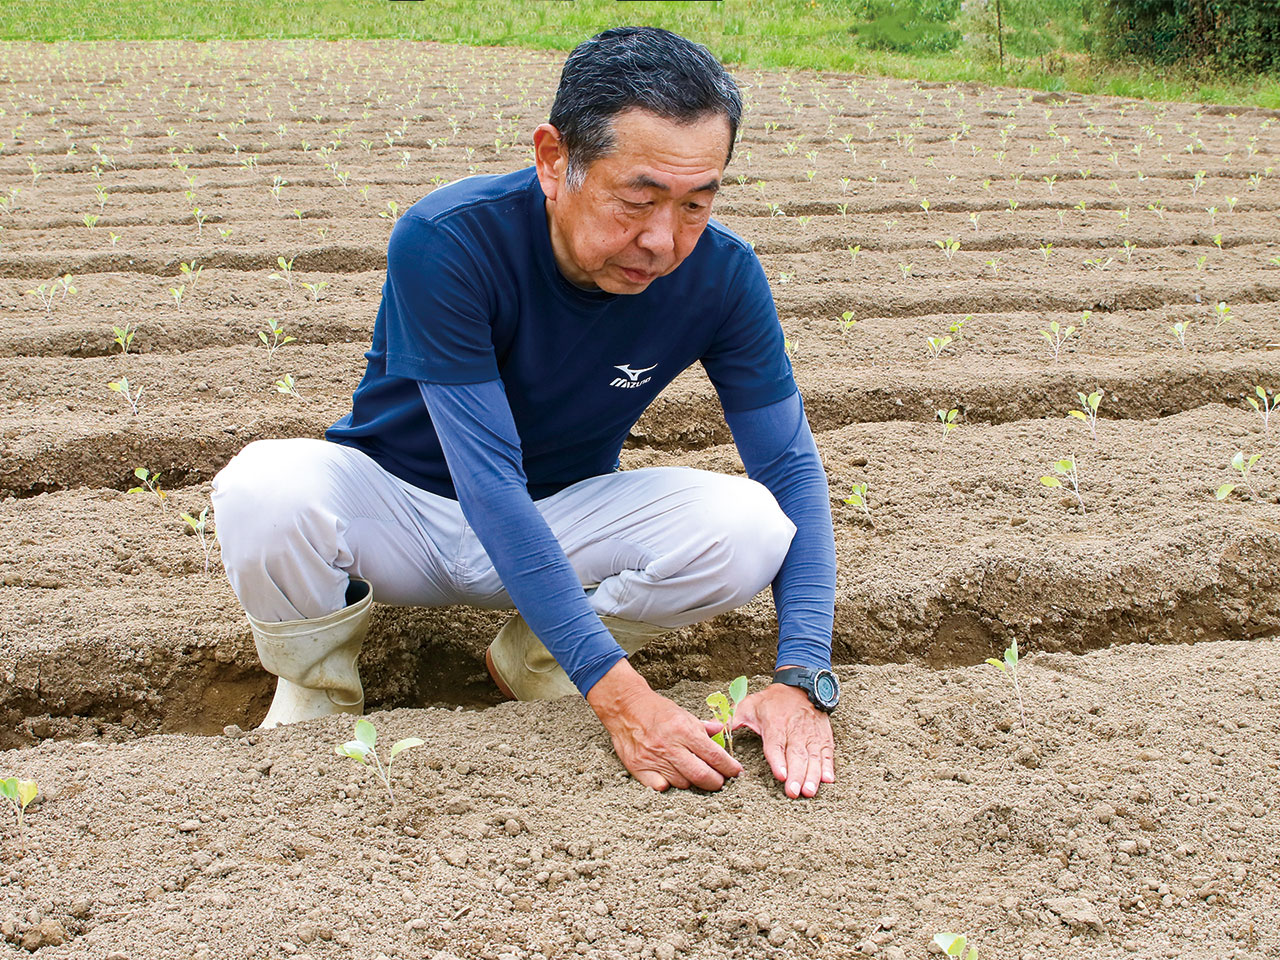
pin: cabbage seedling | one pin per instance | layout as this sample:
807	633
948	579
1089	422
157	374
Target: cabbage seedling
122	386
1265	408
316	289
1243	466
948	420
124	336
1066	468
948	247
858	498
19	793
277	339
150	482
937	345
722	709
1179	330
362	748
191	272
198	526
177	293
1088	411
286	272
286	386
1057	337
1222	313
1009	666
953	945
846	321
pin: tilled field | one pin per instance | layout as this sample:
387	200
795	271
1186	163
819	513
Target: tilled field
1135	817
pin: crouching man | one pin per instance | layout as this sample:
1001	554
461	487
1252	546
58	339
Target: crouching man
527	320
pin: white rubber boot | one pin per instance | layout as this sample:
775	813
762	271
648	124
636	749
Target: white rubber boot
315	660
524	669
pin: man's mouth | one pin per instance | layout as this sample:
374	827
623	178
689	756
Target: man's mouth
636	276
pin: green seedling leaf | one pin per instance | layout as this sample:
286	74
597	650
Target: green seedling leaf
738	690
1078	414
996	663
1051	481
353	749
27	791
366	733
9	788
405	744
719	739
719	705
1224	491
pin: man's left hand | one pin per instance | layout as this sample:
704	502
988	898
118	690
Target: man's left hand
797	737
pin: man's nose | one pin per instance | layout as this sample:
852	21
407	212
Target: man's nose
658	235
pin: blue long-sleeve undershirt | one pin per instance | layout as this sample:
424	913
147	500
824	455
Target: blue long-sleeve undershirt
482	448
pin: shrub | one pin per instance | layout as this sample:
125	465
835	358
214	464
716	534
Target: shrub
907	26
1227	34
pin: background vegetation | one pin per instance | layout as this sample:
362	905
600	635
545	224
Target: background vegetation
1221	51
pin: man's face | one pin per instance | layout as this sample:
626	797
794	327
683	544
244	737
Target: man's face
641	208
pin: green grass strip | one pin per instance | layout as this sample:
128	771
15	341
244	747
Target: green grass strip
773	34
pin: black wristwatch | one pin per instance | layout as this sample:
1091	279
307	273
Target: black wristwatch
823	686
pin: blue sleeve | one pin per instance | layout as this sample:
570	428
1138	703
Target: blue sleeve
777	448
482	449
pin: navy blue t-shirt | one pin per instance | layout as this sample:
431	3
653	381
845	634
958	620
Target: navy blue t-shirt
473	293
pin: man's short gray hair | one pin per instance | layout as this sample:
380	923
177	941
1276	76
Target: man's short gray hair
644	68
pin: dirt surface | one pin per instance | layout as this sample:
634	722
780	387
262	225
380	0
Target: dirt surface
1135	816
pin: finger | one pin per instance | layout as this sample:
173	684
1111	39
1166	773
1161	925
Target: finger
813	771
797	766
697	772
713	727
652	779
676	779
775	753
828	753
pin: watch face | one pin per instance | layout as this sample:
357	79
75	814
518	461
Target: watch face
826	687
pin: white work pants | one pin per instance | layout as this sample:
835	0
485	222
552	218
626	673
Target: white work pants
668	546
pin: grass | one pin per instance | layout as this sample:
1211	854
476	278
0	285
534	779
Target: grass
776	34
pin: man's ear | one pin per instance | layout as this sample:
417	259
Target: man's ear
550	158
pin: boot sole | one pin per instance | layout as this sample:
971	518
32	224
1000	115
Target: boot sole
493	673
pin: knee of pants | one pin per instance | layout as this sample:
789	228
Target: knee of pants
268	501
751	539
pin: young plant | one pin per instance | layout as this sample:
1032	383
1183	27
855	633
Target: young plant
1057	337
1088	411
200	217
847	321
948	247
1179	330
956	329
937	345
1222	314
122	386
858	498
286	272
19	793
1243	466
124	336
362	748
286	386
316	289
150	483
199	527
1265	405
953	945
392	212
722	709
948	420
48	293
1009	666
177	293
274	338
1066	468
191	272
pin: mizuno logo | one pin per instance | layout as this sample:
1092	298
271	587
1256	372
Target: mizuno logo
633	376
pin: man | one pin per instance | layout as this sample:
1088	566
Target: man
526	322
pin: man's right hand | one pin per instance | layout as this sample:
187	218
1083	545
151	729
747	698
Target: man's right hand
662	744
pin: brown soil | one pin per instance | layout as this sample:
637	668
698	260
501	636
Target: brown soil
1136	816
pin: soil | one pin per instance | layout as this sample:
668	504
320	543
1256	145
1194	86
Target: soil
1134	815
